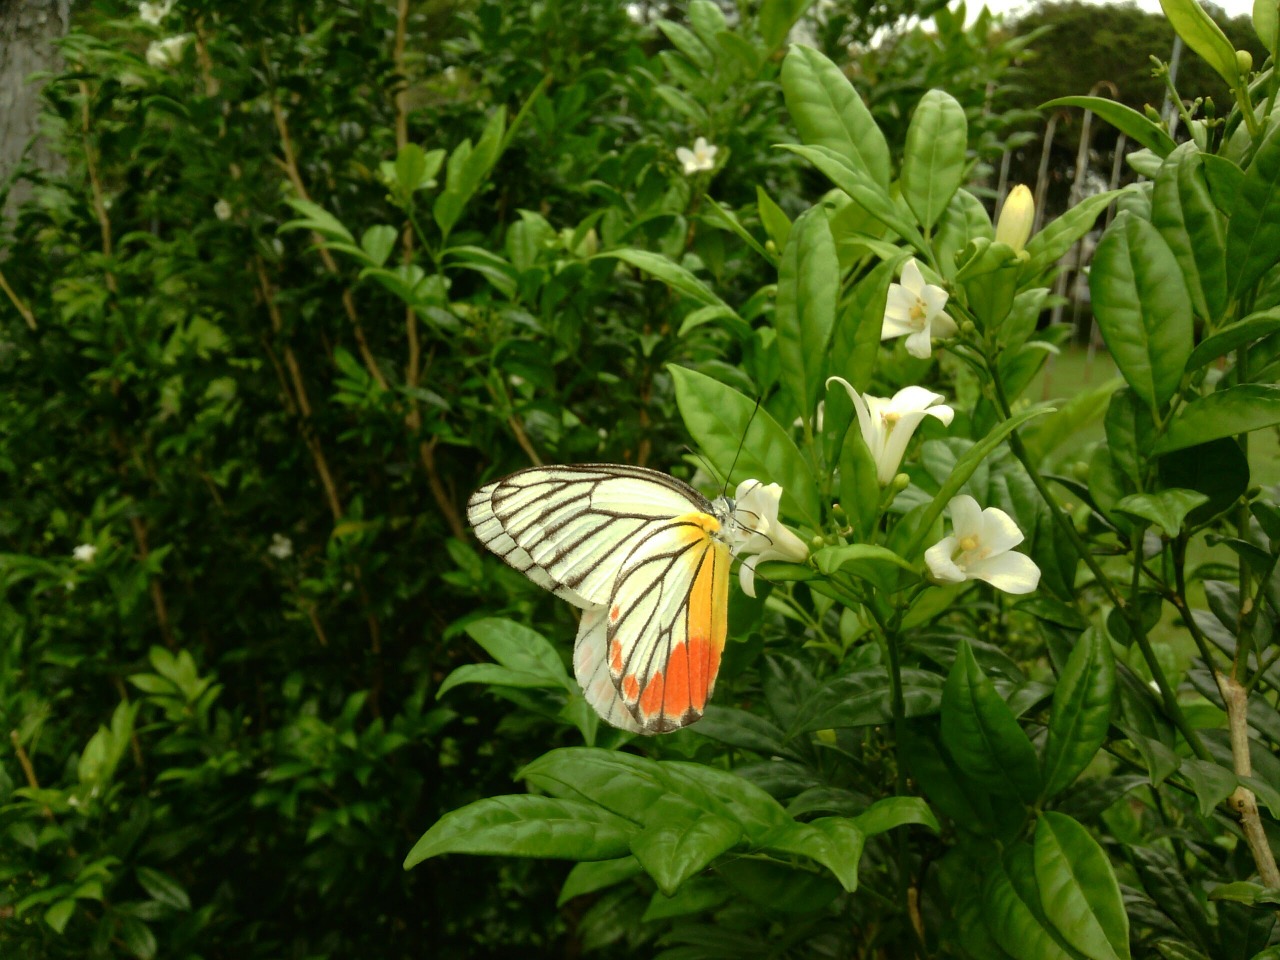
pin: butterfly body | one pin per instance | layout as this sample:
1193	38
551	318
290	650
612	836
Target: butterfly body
645	557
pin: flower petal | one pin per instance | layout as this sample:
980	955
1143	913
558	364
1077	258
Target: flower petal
918	345
966	517
938	559
913	399
999	532
935	298
942	326
912	278
895	445
1011	572
747	576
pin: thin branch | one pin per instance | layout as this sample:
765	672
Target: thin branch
139	527
427	451
17	302
1242	801
99	202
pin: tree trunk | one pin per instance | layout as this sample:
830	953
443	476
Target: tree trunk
28	29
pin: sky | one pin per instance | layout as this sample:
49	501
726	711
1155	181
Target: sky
1234	8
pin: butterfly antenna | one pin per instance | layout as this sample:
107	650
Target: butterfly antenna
711	471
741	443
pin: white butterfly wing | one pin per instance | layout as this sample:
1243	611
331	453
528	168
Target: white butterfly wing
591	668
569	528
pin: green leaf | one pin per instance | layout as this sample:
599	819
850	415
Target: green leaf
867	561
1211	782
1242	891
863	698
808	287
163	887
1011	914
527	826
776	887
855	346
776	19
1167	509
963	470
494	675
1047	247
933	162
1253	232
697	896
1081	711
1239	409
1125	119
721	420
980	732
378	242
861	188
828	113
890	813
668	271
1184	213
679	841
1238	334
1205	37
518	648
593	875
316	218
138	938
1139	299
1266	23
834	842
776	223
58	915
1078	889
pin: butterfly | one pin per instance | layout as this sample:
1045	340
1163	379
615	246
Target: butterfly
645	557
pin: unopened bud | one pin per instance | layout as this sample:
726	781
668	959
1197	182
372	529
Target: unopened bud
901	482
1016	217
968	328
827	736
1244	62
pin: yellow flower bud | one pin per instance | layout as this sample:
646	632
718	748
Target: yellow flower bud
1016	217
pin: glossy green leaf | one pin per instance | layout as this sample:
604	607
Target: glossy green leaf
1253	232
777	17
834	842
867	561
1266	23
518	648
1218	469
1139	299
1242	332
933	161
1047	247
1013	918
721	420
964	219
1078	889
828	112
1212	783
890	813
861	188
964	469
1162	878
527	826
1238	409
808	287
1205	37
859	485
1184	213
679	841
981	734
757	813
138	938
1167	509
862	698
593	875
1125	119
855	347
1081	711
378	242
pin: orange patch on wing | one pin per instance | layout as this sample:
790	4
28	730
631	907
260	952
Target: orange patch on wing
613	614
651	701
630	687
615	656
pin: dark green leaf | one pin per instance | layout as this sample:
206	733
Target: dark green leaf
1238	409
593	875
518	648
1242	332
1167	509
1048	246
1253	232
808	287
679	840
1078	889
834	842
1212	783
1081	711
1184	213
892	812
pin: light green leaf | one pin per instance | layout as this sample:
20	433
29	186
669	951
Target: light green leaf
527	826
1139	299
1078	889
872	562
58	915
1211	782
808	287
1251	328
1167	509
777	17
1203	36
890	813
1081	711
676	277
1013	921
828	113
1047	247
1125	119
518	648
1253	232
981	734
834	842
1238	409
933	162
1184	213
593	875
776	223
722	421
494	675
1266	23
679	840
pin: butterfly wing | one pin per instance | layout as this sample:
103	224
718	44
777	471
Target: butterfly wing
667	622
591	668
570	528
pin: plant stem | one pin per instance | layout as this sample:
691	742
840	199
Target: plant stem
1243	801
17	302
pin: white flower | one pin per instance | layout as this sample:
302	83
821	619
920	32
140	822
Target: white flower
84	553
1016	218
167	52
222	210
701	157
281	547
154	13
914	310
754	528
981	547
887	424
